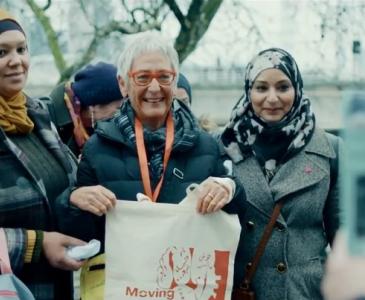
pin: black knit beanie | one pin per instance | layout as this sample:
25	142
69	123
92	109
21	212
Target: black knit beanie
96	84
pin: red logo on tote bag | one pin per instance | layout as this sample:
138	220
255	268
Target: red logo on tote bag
194	274
186	274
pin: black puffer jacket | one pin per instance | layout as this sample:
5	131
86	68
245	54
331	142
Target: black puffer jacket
110	160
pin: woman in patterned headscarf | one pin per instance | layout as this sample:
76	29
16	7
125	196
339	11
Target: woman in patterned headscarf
279	154
34	168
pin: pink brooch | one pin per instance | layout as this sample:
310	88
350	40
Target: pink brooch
308	169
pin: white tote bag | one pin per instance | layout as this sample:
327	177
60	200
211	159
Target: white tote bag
168	251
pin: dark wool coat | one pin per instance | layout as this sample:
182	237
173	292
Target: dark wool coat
292	265
60	116
25	205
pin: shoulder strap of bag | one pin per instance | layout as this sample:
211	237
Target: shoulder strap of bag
4	255
333	162
262	245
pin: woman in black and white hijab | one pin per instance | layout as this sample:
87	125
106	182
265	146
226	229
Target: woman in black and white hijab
279	154
273	119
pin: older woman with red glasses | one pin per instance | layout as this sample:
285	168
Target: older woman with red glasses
153	146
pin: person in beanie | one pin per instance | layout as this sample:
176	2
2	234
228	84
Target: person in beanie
35	166
76	106
183	91
183	94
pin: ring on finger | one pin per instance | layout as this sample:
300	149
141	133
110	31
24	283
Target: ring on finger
210	195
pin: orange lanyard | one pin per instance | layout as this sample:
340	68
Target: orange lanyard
142	156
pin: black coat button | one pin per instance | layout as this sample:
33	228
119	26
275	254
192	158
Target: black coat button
280	227
250	225
281	267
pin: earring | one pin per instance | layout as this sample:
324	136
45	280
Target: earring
91	108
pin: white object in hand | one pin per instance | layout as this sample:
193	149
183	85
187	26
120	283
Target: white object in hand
85	251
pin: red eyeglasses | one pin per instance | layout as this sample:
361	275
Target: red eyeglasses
143	78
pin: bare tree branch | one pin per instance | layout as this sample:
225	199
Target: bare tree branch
197	21
51	35
254	27
86	58
141	16
86	15
177	12
145	11
129	11
48	4
99	35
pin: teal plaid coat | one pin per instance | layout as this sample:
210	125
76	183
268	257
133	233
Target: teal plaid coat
24	205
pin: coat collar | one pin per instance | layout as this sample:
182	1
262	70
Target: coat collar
62	114
305	169
45	129
320	144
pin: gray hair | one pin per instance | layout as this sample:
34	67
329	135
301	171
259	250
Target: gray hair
146	42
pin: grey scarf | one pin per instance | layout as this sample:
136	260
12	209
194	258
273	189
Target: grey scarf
186	133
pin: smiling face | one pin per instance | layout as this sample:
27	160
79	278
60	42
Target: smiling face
151	102
272	95
14	62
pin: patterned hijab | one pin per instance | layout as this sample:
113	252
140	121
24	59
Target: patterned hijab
272	144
